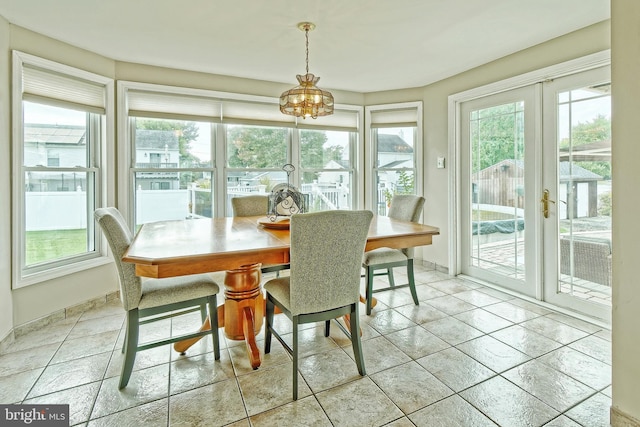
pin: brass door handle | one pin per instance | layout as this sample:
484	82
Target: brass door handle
545	203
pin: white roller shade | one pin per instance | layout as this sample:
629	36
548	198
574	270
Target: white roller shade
48	86
226	108
167	105
396	117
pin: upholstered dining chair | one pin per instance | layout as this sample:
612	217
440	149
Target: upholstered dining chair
404	207
255	205
324	283
252	205
150	300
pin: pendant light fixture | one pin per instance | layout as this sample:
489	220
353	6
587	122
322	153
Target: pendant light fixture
306	99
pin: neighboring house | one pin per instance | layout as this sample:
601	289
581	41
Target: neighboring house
394	154
157	149
502	184
61	146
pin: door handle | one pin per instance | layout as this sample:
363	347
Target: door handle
545	203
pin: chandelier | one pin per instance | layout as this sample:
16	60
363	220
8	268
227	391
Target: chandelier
306	99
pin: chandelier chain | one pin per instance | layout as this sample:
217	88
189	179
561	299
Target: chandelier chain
306	35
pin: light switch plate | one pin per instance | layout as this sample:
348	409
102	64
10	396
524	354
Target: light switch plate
440	163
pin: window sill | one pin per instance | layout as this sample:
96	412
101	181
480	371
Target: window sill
62	271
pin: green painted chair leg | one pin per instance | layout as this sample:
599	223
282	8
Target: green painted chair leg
294	347
131	347
269	324
356	343
392	282
412	282
213	320
369	295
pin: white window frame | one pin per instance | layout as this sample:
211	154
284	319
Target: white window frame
101	165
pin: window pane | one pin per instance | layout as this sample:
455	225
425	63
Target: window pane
163	143
395	147
324	149
62	232
395	172
255	147
172	195
392	182
54	136
326	169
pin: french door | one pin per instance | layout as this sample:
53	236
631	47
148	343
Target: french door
499	219
577	134
535	186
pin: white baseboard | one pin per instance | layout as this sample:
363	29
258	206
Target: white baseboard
621	419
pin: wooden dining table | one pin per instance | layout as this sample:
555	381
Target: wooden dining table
181	247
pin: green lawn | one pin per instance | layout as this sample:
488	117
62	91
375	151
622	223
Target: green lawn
54	244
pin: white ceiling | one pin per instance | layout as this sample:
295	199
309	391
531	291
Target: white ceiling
358	45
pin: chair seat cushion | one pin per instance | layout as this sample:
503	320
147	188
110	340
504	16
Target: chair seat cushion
157	292
279	289
383	256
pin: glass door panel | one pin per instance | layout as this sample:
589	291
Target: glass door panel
495	132
578	239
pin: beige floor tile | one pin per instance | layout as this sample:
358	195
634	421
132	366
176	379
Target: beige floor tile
70	374
554	388
483	321
80	400
26	360
329	369
492	353
554	330
417	342
380	354
455	369
197	371
527	341
14	388
420	314
593	412
144	386
450	412
411	387
579	366
359	403
216	404
452	330
268	388
303	412
150	414
508	405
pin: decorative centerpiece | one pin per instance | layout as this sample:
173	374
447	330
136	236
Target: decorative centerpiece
285	199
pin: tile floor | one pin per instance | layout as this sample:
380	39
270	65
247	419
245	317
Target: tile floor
468	355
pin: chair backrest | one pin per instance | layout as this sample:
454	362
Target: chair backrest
250	205
119	237
326	259
406	207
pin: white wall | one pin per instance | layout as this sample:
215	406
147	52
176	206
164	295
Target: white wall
6	302
625	45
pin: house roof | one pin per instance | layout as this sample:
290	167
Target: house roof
54	134
392	144
156	139
567	170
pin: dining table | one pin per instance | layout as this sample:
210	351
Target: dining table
241	246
